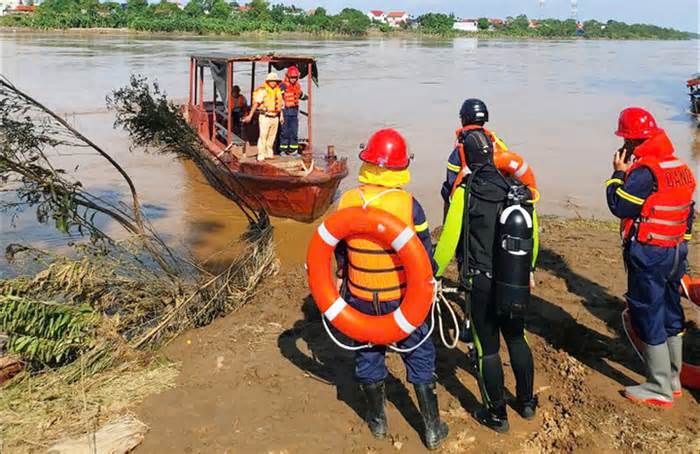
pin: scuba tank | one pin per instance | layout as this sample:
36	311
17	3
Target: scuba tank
515	244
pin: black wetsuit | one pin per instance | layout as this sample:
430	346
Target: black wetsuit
487	194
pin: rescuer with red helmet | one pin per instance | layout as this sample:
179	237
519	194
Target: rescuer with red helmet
292	94
374	282
651	191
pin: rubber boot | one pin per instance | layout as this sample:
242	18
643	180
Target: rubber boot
675	350
656	391
526	408
435	430
376	416
495	418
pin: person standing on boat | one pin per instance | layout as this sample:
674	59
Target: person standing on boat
292	94
651	191
268	102
239	107
492	179
375	282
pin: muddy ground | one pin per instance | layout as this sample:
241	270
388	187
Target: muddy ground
267	379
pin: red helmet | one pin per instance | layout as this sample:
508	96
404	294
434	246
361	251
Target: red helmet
386	148
637	123
293	71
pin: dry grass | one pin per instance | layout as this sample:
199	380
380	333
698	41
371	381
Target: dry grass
40	410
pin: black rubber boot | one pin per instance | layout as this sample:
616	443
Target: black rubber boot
376	416
495	418
435	429
526	408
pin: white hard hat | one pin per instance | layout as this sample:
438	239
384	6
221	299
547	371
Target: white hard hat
272	77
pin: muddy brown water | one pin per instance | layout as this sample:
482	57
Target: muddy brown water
556	102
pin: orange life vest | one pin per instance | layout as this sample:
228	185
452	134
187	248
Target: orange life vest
292	94
238	104
663	220
374	268
272	103
506	161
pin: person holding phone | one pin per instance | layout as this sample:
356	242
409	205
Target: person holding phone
651	191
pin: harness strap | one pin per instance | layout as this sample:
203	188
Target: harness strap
512	243
385	270
371	251
377	290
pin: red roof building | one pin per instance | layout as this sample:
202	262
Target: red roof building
25	9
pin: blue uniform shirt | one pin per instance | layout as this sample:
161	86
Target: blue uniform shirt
454	166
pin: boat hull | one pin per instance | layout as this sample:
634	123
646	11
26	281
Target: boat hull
266	184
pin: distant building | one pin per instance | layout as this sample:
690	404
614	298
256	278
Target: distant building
244	8
178	3
311	12
533	24
466	25
377	15
22	9
8	5
396	18
497	22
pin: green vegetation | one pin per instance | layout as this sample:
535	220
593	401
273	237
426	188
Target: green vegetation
222	17
521	26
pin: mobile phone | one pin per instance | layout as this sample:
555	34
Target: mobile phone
628	151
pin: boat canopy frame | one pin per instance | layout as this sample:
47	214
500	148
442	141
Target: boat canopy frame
223	66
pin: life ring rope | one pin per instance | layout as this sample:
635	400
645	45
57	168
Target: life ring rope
438	305
420	291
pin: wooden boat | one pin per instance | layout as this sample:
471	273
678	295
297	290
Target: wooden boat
694	91
301	187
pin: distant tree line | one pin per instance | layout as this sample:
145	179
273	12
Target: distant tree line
222	17
198	16
522	26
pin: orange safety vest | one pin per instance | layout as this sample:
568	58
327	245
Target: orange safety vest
272	103
373	268
506	161
292	94
238	104
663	220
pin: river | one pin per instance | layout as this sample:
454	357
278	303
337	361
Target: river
555	102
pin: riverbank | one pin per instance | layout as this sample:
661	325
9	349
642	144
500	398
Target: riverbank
267	379
301	35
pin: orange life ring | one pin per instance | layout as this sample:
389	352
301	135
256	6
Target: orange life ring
390	231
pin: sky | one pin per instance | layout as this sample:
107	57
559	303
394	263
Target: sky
680	14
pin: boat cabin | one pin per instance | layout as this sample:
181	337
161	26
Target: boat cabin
217	112
300	188
694	91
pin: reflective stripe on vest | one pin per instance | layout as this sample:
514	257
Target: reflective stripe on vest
664	216
374	269
292	94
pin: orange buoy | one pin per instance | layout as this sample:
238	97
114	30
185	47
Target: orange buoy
690	288
392	232
690	374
